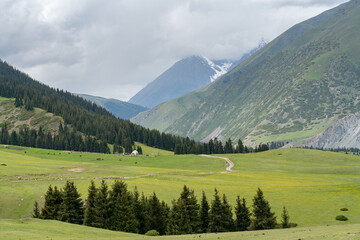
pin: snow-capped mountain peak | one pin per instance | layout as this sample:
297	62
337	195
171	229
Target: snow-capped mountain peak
219	69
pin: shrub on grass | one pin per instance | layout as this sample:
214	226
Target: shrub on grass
341	218
344	209
152	233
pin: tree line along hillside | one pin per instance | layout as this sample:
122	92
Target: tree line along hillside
85	118
92	127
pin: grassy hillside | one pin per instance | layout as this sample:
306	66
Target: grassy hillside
313	185
293	88
16	118
45	229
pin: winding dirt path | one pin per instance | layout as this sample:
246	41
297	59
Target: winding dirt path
229	163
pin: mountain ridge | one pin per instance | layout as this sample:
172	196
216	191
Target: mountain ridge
304	69
119	108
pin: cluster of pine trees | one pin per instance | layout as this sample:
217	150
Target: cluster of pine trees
64	140
215	146
121	210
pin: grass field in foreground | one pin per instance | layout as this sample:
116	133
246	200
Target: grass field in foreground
46	229
313	185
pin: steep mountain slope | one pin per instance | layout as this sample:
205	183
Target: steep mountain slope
17	118
344	133
184	76
293	88
119	108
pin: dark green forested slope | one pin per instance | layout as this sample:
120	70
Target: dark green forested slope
293	88
84	125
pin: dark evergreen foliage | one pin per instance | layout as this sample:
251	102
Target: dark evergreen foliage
101	205
122	216
242	214
285	218
53	200
204	214
218	214
90	213
263	218
184	216
121	210
227	218
140	211
72	207
157	215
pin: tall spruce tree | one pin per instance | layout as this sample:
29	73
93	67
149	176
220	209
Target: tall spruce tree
227	219
90	212
101	204
122	216
228	146
53	200
204	213
263	218
72	207
240	147
184	216
242	213
139	211
157	214
216	212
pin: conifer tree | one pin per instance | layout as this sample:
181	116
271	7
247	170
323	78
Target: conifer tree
242	213
228	146
90	211
227	220
204	214
139	210
184	216
285	218
14	138
101	205
157	214
122	216
53	200
263	218
216	212
36	211
178	222
72	207
240	147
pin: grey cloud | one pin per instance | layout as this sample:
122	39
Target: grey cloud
113	48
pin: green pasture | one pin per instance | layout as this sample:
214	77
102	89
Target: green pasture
47	229
313	185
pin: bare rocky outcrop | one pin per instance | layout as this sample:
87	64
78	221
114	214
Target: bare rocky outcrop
343	133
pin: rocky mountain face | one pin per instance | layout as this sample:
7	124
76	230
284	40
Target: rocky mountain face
344	133
120	109
183	77
292	89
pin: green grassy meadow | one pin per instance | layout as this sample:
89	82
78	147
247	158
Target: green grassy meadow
48	229
313	185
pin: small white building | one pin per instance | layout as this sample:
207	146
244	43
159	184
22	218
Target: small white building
134	153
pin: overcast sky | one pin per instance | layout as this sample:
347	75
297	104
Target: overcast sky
113	48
